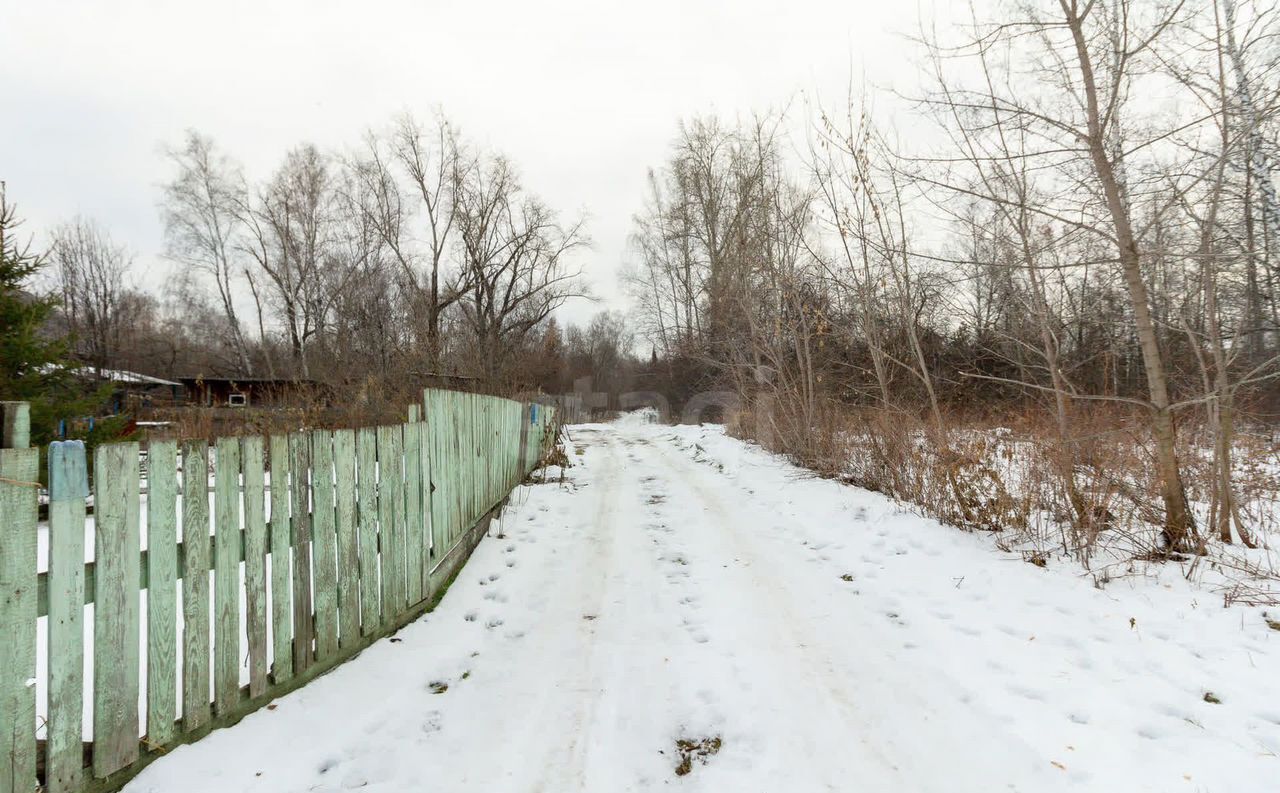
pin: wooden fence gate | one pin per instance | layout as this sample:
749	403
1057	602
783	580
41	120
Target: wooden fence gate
167	616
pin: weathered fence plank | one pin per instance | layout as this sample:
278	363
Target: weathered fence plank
195	585
255	563
391	548
281	577
18	504
435	477
68	486
424	485
325	545
370	587
226	576
116	614
413	512
344	475
162	592
300	522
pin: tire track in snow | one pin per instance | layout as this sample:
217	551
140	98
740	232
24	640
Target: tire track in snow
800	682
845	661
601	536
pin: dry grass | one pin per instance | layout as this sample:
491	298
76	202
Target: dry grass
1009	478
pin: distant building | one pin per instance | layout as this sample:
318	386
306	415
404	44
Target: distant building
131	392
243	392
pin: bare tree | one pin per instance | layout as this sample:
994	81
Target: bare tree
91	270
201	228
293	226
409	182
518	260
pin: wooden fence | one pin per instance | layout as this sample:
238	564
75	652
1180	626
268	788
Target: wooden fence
180	637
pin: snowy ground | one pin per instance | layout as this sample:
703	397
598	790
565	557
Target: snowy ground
682	585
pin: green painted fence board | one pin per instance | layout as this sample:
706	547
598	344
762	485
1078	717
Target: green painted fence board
367	484
18	499
428	536
390	548
435	432
281	576
255	562
325	545
68	486
400	551
300	522
344	474
413	512
162	592
226	575
195	585
116	613
460	466
424	488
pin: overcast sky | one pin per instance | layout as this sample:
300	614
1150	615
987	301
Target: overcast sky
584	96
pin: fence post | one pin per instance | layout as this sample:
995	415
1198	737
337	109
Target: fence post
16	423
19	495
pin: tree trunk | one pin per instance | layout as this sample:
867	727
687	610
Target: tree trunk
1179	524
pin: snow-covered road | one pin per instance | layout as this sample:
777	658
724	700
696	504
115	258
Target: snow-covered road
681	585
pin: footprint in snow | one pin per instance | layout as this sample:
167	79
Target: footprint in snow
432	722
1026	693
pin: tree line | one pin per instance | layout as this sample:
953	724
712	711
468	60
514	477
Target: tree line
413	257
1089	235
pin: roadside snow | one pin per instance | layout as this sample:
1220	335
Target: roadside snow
681	585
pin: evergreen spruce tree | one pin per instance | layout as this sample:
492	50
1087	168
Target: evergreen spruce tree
34	367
